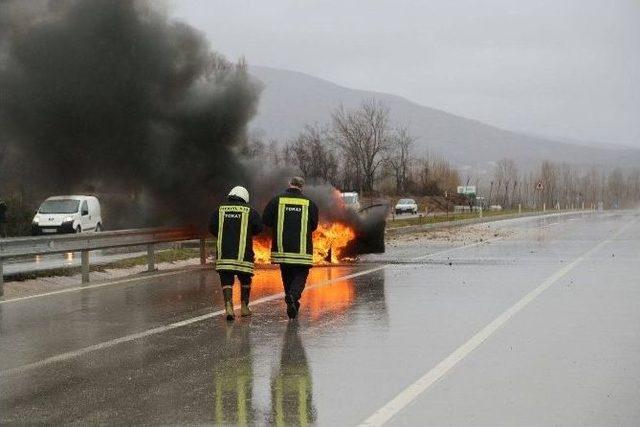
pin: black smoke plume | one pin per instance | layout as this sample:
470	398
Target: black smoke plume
116	96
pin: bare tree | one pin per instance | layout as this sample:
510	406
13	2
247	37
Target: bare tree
549	178
434	175
363	137
254	146
505	178
616	188
311	152
273	153
399	160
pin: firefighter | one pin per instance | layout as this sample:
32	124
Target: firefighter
234	224
292	218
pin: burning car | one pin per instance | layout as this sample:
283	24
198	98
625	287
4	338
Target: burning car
342	234
351	200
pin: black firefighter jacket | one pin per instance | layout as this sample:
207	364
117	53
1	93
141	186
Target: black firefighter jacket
292	218
234	224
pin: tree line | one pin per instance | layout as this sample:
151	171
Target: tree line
358	149
561	185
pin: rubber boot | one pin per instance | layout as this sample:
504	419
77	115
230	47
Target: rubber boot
244	298
228	304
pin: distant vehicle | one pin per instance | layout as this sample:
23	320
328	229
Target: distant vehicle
406	206
495	208
351	200
67	214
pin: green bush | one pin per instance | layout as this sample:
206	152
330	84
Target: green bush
19	217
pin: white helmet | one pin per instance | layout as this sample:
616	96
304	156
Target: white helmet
240	192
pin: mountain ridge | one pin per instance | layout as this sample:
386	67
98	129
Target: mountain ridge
292	99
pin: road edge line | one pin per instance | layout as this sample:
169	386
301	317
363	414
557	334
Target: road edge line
160	329
403	399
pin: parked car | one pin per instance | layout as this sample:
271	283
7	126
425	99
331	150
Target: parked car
67	214
351	200
406	206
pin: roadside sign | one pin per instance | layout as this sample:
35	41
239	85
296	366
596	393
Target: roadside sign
467	189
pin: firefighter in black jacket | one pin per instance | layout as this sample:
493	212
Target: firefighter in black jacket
292	218
234	224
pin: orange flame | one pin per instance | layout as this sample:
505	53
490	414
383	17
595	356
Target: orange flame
321	301
330	241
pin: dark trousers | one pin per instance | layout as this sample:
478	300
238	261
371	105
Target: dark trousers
294	279
227	276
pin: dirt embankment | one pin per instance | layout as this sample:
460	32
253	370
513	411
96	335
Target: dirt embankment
465	235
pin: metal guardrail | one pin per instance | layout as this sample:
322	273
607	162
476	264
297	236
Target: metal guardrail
87	242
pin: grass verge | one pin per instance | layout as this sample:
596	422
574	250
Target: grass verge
403	222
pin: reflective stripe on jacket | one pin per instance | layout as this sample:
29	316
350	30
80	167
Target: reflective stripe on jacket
293	218
235	224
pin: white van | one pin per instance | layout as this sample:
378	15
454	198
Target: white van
67	214
351	200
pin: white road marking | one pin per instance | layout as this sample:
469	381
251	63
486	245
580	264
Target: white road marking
128	338
408	395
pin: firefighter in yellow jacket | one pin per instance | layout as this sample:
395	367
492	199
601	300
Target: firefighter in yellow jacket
234	224
292	217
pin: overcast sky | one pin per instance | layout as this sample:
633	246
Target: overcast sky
558	68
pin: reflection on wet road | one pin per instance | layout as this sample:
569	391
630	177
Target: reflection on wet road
366	333
233	378
291	385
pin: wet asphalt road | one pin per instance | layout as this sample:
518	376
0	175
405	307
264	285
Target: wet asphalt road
156	351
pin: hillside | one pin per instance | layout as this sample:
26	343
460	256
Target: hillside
291	99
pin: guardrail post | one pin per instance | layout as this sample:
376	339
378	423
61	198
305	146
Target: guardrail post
151	257
203	251
519	208
85	266
1	279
